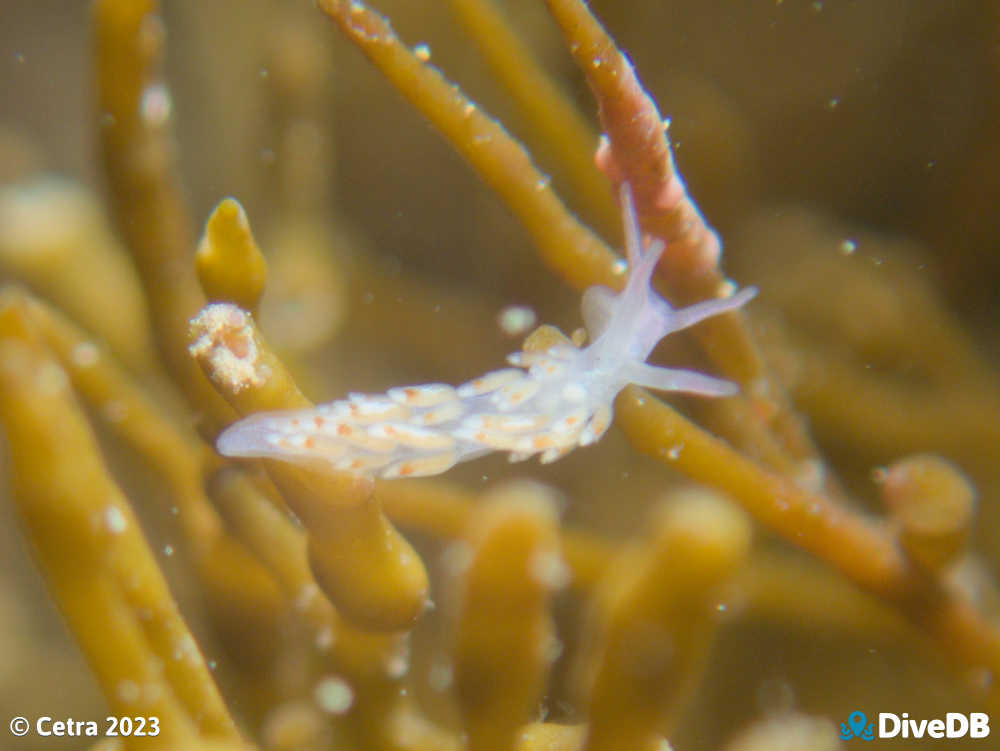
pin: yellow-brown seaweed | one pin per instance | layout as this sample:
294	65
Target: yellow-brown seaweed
613	599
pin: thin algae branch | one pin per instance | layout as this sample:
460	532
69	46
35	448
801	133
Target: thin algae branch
860	548
139	159
564	243
553	124
129	413
96	560
635	149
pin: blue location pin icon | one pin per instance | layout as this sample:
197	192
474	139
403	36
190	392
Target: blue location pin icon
857	722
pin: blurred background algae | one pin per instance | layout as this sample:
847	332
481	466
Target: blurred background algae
734	574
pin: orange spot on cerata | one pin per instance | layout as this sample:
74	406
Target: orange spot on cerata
318	421
542	442
344	429
481	437
411	393
295	422
406	469
572	420
310	443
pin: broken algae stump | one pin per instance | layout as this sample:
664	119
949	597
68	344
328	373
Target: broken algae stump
361	562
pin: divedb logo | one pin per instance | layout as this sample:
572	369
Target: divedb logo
889	725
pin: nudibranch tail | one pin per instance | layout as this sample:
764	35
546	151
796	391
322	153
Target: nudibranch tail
549	403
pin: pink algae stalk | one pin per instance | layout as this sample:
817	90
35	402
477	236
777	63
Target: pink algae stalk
636	148
637	151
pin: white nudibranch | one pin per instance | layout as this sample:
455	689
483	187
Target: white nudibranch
547	404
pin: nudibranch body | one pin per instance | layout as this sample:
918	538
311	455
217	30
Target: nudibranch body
547	404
